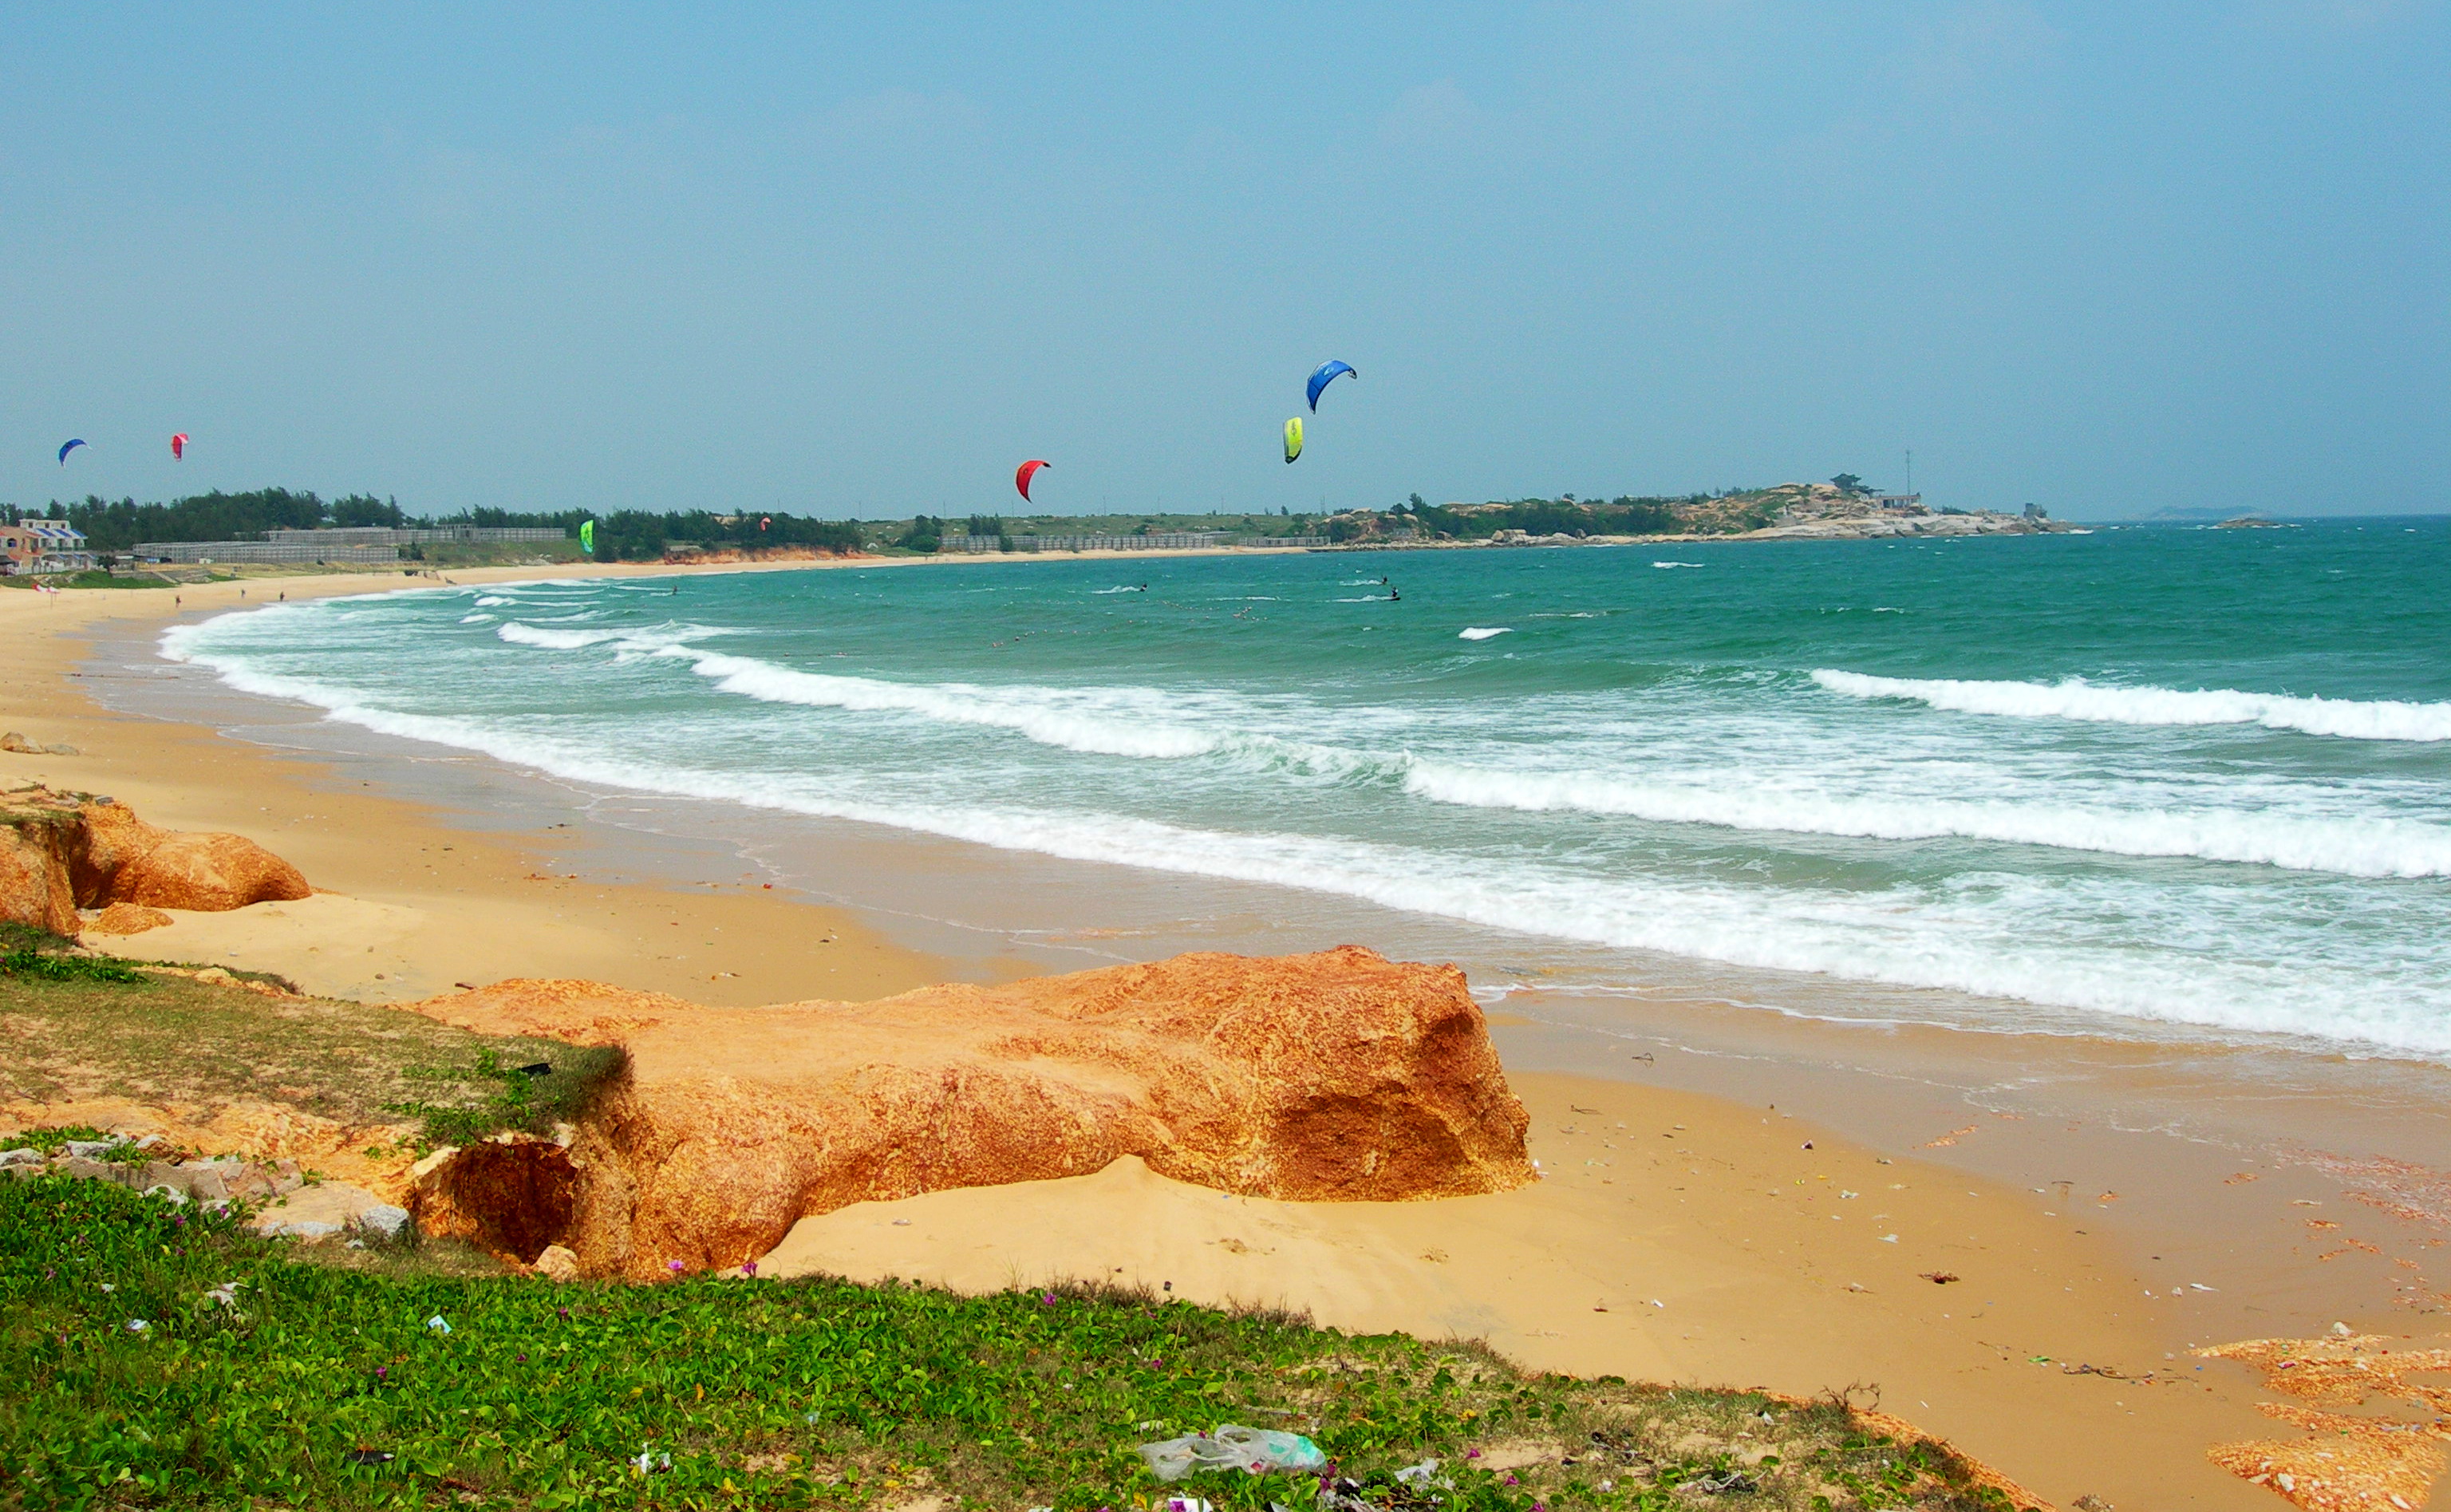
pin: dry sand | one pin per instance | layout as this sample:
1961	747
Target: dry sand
1677	1238
1761	1271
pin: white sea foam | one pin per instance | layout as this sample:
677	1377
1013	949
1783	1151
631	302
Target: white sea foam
635	638
519	634
1902	936
1676	565
1103	723
2246	950
489	600
1481	632
2367	847
2075	698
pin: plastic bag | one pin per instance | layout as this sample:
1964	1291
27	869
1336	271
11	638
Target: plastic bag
1232	1447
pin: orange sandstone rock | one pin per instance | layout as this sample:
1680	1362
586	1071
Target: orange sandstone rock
59	854
1335	1077
209	874
127	918
36	841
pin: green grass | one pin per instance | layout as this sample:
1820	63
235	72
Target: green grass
783	1394
51	967
75	1026
96	578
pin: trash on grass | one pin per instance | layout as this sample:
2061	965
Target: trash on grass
363	1456
1232	1447
1419	1472
438	1324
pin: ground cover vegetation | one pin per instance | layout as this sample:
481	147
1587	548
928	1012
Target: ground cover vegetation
165	1357
75	1026
162	1356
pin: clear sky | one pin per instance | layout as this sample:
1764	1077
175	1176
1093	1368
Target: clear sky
2108	257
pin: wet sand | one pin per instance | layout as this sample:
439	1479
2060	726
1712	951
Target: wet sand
2072	1219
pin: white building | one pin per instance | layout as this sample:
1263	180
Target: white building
43	545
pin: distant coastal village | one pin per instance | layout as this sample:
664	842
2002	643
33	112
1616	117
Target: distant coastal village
125	540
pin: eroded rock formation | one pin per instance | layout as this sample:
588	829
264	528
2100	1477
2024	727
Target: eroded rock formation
1335	1077
60	852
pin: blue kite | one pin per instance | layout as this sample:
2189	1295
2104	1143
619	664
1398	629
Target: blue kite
1328	373
69	448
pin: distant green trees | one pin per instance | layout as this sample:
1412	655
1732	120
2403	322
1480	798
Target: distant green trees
622	536
218	516
1549	517
633	535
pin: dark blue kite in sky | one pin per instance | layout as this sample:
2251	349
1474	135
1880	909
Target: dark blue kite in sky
1328	373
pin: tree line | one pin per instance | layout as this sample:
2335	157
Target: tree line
1625	516
627	535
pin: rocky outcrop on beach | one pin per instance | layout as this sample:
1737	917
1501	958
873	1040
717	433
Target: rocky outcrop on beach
62	851
1338	1076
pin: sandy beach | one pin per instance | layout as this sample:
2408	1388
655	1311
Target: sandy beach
1680	1235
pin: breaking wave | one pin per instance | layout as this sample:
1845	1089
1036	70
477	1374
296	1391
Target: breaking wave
2393	848
2075	698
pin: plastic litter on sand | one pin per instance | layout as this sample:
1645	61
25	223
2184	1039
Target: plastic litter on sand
1232	1447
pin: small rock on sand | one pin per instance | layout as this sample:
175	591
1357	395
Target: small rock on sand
127	918
557	1263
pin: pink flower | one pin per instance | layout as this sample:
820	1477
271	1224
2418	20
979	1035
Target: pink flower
673	1265
749	1268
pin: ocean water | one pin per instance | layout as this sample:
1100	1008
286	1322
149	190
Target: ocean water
2132	779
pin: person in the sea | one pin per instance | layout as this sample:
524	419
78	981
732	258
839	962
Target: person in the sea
1395	594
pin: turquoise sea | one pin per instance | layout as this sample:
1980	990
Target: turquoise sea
2126	778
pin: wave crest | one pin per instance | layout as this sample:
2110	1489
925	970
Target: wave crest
2393	848
2075	698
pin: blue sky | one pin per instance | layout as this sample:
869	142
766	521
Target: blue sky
2111	258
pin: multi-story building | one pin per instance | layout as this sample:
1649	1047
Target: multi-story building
43	545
